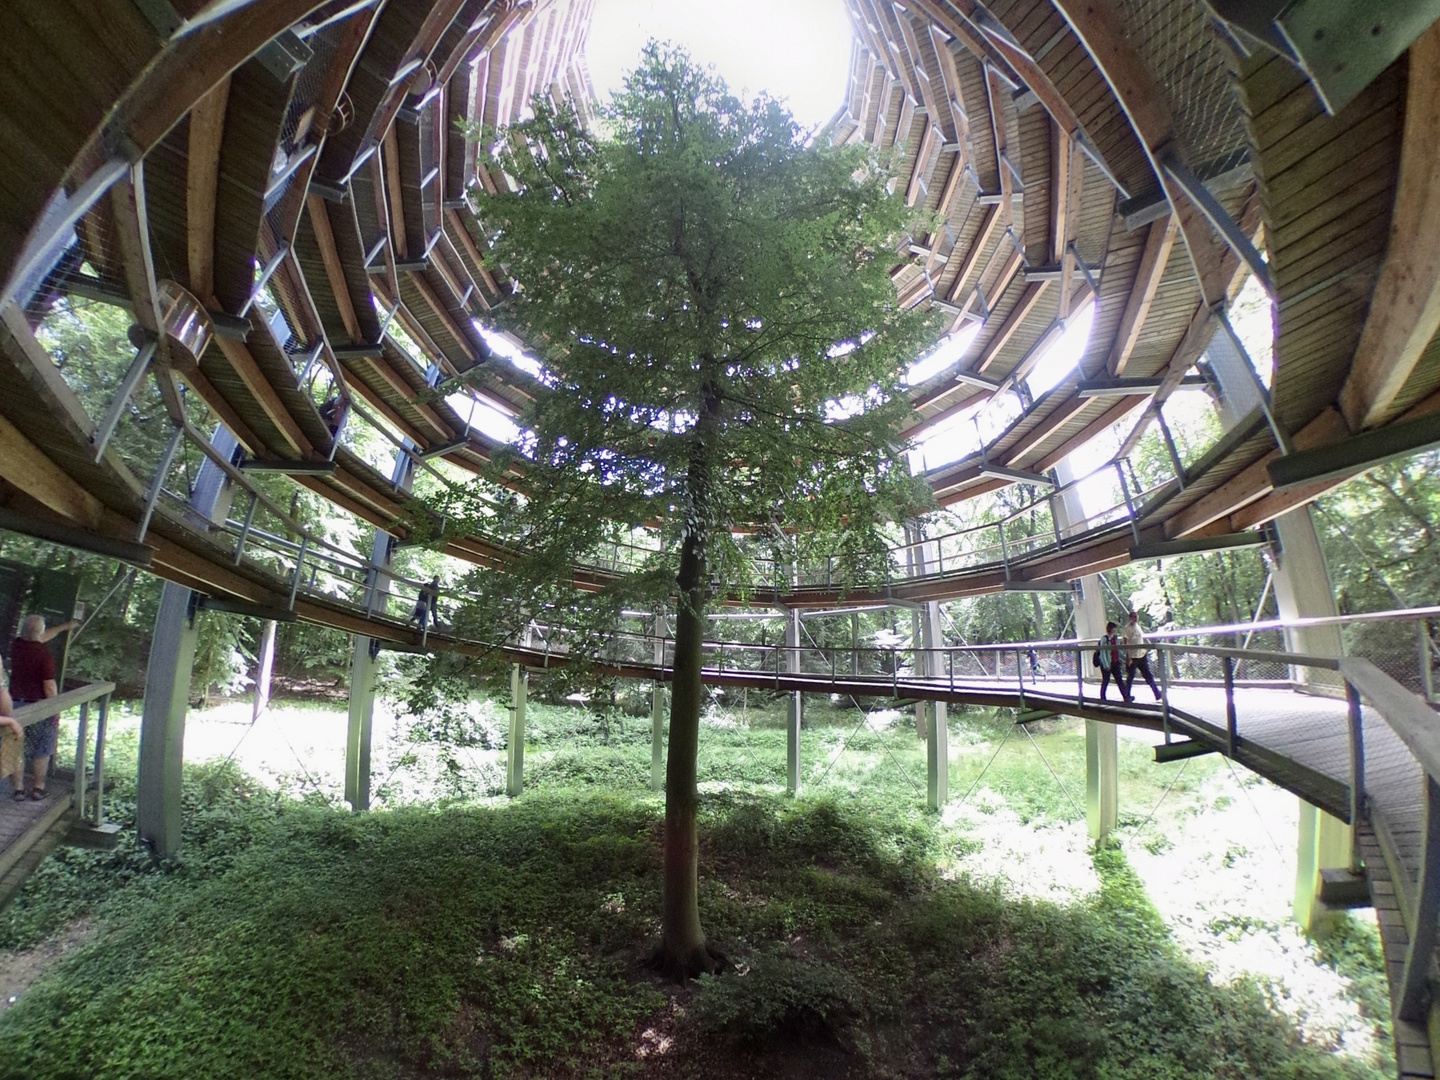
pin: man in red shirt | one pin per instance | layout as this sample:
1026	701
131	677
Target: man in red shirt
33	678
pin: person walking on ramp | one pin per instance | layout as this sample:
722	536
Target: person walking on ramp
1108	658
426	604
1137	657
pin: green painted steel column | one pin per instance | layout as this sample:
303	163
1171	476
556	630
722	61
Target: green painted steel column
794	704
162	723
1303	590
657	737
937	730
519	685
923	557
358	730
1102	793
1325	844
264	668
167	679
363	666
1102	767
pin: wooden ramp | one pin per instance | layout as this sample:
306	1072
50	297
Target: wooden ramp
28	832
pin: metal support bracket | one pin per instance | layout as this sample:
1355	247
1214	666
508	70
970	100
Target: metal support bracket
1228	228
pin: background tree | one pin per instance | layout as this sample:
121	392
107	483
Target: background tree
711	301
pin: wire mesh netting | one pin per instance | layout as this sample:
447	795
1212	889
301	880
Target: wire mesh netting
1406	650
1190	64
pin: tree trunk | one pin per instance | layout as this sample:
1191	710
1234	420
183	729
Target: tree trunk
682	941
682	944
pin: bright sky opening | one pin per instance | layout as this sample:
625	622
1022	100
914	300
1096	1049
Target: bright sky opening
1062	356
484	417
945	355
506	346
798	50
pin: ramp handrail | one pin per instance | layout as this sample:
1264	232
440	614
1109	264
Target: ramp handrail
79	697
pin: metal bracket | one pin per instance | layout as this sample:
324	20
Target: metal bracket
1343	45
1228	228
284	55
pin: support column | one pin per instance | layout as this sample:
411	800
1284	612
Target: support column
363	666
794	704
1102	769
515	773
923	557
361	716
264	668
1102	786
1303	590
657	714
167	679
937	731
1325	844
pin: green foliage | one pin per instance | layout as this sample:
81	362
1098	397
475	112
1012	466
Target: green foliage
224	812
1352	947
776	996
293	940
702	288
224	651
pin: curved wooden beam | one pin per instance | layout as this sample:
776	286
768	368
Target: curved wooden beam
1094	22
1404	311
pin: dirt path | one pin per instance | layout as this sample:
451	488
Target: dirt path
19	970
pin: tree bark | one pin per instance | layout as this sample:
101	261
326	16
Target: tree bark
682	945
682	940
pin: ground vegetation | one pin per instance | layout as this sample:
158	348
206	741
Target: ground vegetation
505	939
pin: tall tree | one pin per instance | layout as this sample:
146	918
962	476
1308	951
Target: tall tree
710	298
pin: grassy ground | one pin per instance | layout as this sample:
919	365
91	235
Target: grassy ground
455	933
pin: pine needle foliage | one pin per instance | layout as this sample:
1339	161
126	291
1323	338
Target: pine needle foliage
704	290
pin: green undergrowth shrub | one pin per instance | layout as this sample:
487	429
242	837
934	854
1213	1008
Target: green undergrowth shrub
224	812
510	940
776	996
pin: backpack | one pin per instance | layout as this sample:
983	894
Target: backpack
1096	658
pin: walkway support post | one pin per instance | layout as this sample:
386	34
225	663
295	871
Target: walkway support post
1324	845
265	667
1303	590
657	713
167	678
1102	794
937	733
365	652
1102	768
794	703
930	664
515	772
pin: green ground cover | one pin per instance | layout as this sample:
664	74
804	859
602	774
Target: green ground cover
489	938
